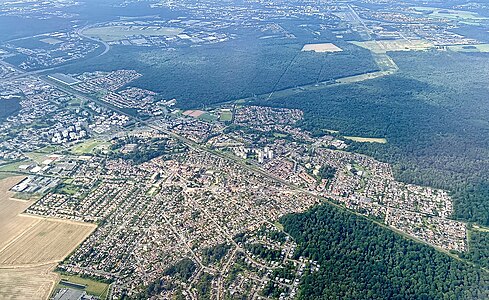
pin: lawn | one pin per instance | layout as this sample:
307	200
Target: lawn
226	116
88	147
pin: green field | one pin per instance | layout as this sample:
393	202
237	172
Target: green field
88	147
93	287
226	116
115	33
14	166
208	117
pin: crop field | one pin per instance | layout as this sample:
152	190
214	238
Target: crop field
27	283
483	48
394	45
11	224
322	48
31	246
116	33
46	241
366	140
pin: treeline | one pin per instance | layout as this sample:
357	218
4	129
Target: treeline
361	260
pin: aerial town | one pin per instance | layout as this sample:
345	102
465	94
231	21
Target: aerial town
203	188
187	202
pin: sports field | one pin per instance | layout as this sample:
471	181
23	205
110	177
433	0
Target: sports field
116	33
51	41
226	116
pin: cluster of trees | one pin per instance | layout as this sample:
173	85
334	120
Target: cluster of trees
145	150
327	172
478	247
263	252
214	254
9	107
361	260
183	269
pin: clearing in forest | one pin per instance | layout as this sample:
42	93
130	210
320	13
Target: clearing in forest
322	48
366	140
384	46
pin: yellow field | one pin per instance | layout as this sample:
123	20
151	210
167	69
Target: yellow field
321	48
46	241
30	247
366	140
115	33
394	45
11	224
27	283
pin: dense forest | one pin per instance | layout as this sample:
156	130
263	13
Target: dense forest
232	70
9	107
433	114
362	260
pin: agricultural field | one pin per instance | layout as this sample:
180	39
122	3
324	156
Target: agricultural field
482	48
193	113
394	45
322	48
27	283
47	241
115	33
366	140
31	246
11	223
